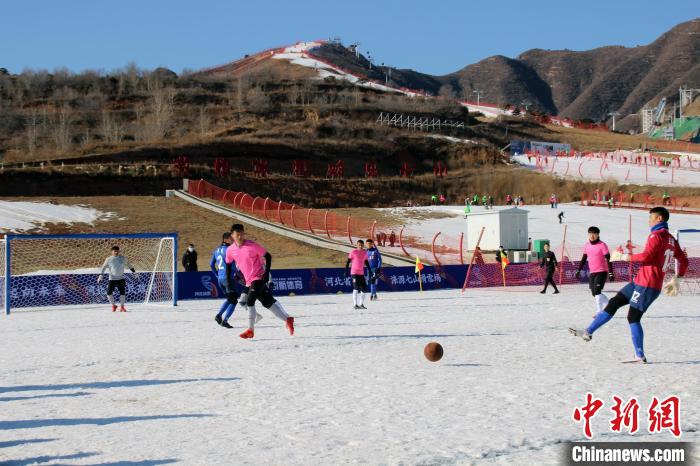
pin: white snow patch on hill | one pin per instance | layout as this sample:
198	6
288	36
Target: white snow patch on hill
17	216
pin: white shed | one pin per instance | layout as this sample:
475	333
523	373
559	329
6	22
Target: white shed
507	228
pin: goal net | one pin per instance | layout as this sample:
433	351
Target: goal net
59	270
689	241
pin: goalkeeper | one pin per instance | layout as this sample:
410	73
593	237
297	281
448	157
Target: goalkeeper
116	264
660	250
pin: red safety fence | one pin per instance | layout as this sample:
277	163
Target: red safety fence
438	248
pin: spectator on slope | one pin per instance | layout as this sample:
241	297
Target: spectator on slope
478	257
189	259
560	216
501	252
467	209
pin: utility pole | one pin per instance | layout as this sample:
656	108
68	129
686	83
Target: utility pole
613	114
478	95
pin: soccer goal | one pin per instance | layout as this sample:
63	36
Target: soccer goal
689	241
60	270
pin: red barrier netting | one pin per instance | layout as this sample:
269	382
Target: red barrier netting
440	249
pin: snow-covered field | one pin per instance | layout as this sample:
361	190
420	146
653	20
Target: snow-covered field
624	173
544	224
21	216
157	386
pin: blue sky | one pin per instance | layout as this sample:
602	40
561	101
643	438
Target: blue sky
436	37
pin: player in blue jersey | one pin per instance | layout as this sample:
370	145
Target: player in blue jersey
218	266
374	257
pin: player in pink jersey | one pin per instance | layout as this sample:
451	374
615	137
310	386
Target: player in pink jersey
596	253
254	262
358	259
658	255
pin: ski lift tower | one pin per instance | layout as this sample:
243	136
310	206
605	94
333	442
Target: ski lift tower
613	115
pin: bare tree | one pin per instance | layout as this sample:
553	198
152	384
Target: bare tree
32	130
307	91
160	111
447	91
112	131
258	101
86	138
204	121
294	94
242	86
61	126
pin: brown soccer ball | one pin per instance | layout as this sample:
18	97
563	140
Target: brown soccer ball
433	351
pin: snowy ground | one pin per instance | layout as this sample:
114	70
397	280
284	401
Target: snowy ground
624	173
18	216
155	386
544	224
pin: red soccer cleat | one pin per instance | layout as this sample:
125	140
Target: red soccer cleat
290	325
122	309
114	307
247	334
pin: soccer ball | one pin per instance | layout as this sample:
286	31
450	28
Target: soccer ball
433	351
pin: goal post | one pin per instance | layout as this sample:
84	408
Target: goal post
59	270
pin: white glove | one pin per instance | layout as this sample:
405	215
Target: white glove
99	278
672	287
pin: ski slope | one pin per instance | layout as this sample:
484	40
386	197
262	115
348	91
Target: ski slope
623	173
158	386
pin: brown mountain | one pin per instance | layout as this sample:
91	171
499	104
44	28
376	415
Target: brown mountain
579	85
